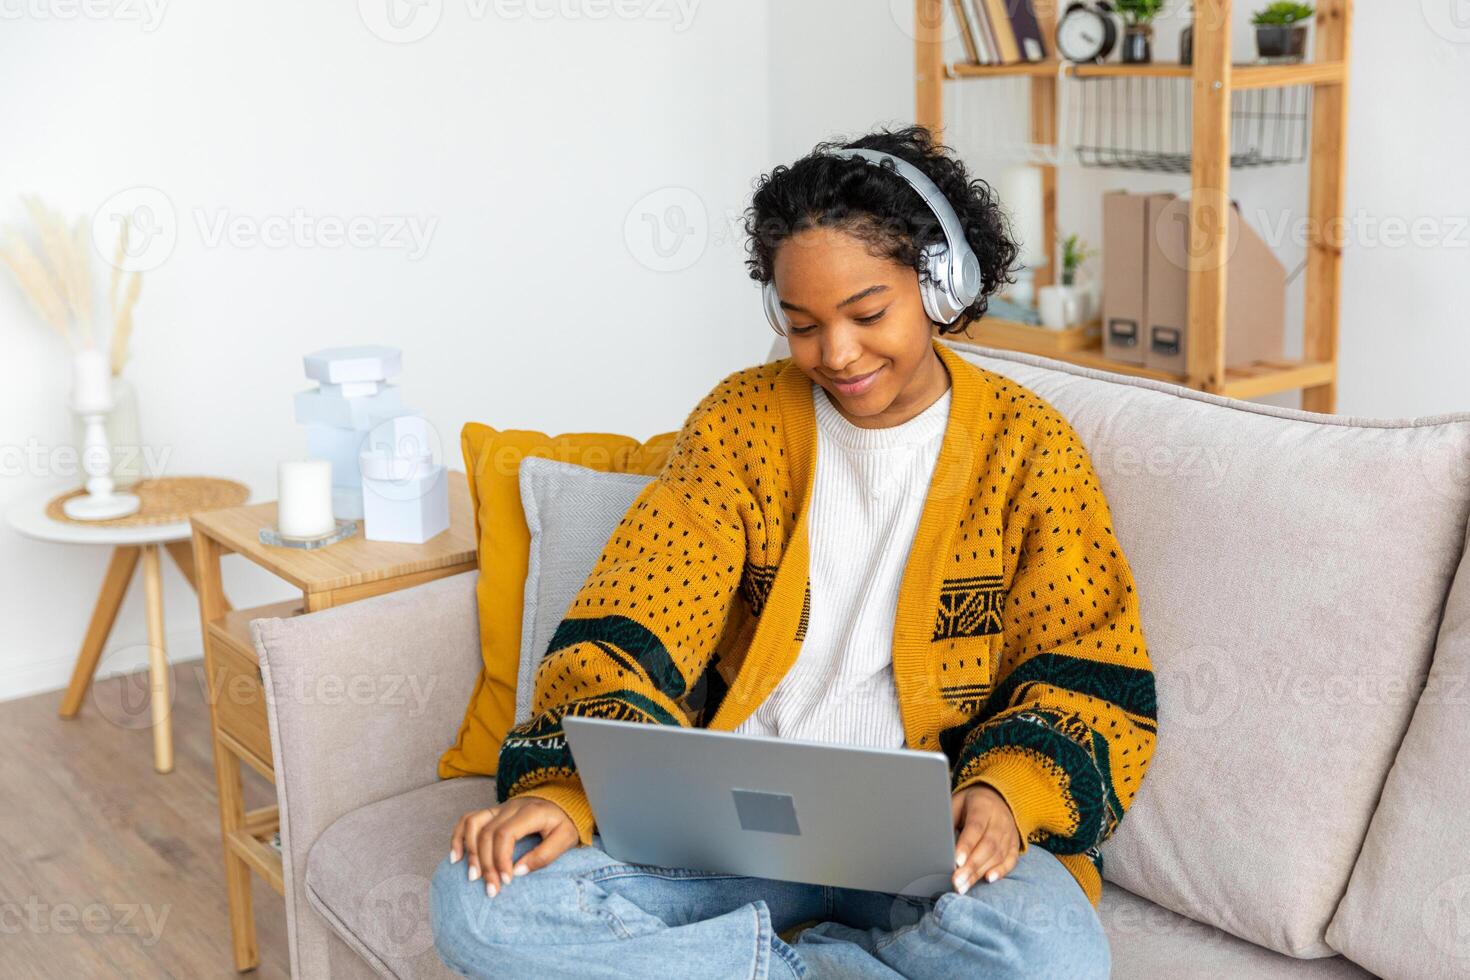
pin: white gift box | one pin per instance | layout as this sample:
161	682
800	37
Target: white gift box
411	507
339	365
405	494
341	446
352	389
347	503
314	406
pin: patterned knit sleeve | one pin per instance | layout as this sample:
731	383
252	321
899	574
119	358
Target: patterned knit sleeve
646	621
1069	727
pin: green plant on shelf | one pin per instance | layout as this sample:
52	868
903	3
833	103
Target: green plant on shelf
1282	14
1074	253
1136	12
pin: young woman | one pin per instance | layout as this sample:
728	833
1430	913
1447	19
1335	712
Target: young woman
872	541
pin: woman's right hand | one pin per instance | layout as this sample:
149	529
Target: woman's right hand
488	838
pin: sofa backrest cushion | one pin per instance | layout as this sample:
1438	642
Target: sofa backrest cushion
1407	909
1291	570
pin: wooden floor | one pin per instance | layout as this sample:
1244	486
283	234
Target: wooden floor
108	868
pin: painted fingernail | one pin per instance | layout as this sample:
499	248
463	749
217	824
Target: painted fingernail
490	889
453	858
962	884
505	877
991	876
520	870
474	873
959	859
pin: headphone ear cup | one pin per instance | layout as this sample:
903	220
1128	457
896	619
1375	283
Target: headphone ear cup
771	301
939	303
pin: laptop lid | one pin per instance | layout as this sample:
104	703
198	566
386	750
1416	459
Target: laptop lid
789	809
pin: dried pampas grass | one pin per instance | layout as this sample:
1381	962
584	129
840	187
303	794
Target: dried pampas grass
35	281
60	287
122	322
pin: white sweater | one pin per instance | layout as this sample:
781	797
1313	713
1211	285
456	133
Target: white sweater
867	496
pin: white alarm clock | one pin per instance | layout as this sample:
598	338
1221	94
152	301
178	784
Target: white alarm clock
1087	32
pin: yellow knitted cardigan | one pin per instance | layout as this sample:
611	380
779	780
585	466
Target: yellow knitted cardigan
1017	648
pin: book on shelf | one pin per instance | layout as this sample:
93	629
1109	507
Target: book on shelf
1001	32
967	32
1027	28
1000	23
981	17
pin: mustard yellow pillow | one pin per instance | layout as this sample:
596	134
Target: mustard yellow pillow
492	460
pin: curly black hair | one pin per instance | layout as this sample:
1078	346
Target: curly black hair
880	208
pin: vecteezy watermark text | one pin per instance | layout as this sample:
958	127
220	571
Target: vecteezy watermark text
68	918
148	13
153	226
221	226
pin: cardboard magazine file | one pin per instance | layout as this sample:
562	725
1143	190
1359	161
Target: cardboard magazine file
1124	274
1255	290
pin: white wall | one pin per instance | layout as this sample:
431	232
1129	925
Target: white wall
536	146
529	143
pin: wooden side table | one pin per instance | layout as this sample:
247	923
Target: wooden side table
332	576
162	524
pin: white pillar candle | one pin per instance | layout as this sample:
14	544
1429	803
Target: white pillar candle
91	382
304	498
1021	194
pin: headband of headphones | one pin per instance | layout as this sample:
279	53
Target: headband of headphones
952	264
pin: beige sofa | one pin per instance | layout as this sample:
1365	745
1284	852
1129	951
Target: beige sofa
1306	600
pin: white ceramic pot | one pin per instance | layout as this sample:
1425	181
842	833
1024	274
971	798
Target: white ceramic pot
1059	307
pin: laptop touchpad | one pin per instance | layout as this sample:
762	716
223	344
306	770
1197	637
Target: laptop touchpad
773	813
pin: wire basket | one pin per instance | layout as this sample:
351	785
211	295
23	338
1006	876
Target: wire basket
1146	123
1123	122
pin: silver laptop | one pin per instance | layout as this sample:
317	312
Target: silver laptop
794	810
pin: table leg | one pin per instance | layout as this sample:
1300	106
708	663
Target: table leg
163	743
228	784
182	552
104	614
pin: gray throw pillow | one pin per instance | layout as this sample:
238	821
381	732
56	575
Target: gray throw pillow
571	512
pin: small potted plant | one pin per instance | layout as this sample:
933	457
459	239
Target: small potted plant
1281	30
1138	31
1074	253
1186	39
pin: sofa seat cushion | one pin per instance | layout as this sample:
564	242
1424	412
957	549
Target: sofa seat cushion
368	873
1149	942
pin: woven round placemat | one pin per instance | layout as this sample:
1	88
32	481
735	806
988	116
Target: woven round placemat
166	500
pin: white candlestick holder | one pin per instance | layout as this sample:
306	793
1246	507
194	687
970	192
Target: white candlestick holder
99	503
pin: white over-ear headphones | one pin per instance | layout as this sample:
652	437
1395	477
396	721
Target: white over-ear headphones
952	265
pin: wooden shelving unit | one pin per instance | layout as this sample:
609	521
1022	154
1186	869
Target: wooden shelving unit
1214	77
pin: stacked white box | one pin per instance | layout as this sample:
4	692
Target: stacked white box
353	396
405	494
315	406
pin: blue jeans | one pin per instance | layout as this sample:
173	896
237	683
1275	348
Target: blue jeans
589	915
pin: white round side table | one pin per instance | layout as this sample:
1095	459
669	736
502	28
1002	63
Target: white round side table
166	528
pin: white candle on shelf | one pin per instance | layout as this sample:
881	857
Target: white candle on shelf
304	498
91	382
1021	194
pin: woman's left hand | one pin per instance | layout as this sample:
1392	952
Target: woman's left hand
989	841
